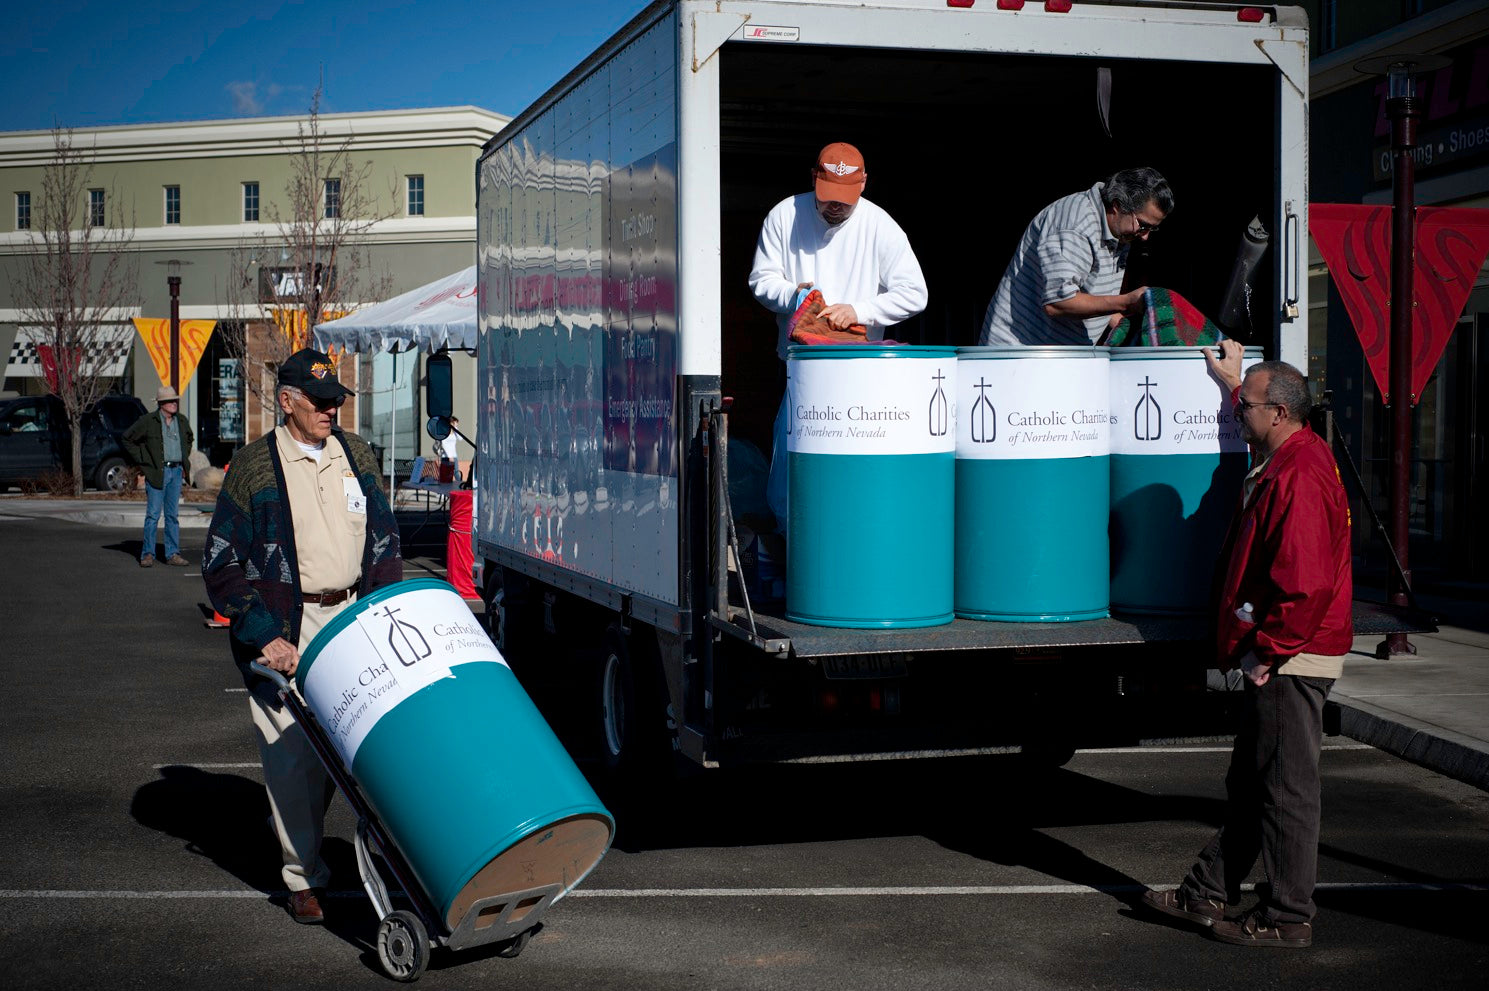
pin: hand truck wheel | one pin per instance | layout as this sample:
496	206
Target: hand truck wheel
402	946
514	946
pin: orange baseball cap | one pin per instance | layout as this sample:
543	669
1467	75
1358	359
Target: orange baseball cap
839	173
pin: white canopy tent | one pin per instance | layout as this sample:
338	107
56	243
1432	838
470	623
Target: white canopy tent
437	316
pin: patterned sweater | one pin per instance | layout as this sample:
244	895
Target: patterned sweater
249	564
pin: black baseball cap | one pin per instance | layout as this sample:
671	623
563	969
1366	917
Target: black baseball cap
313	373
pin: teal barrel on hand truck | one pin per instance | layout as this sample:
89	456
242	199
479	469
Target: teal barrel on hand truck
463	772
1033	436
1177	466
872	432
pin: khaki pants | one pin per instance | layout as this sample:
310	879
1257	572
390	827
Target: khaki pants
299	788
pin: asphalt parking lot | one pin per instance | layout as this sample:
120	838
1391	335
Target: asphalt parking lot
136	852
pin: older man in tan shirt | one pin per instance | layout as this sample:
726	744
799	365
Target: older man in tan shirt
302	529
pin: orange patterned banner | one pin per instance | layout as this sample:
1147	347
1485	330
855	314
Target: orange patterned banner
157	337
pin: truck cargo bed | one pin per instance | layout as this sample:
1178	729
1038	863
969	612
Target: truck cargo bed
775	634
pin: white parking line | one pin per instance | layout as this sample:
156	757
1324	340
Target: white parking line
1203	750
917	891
207	767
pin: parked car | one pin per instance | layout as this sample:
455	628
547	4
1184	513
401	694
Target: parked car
34	440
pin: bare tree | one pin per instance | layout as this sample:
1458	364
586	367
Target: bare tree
76	281
315	266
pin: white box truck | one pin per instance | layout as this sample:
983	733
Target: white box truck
620	348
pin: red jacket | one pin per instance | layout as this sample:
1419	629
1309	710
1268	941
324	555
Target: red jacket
1287	553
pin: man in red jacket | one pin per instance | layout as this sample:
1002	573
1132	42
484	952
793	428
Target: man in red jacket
1284	618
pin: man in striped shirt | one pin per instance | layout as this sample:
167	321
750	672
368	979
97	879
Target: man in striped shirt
1064	283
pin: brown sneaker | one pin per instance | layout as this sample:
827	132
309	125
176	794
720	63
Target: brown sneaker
177	560
1254	929
1176	904
148	561
305	907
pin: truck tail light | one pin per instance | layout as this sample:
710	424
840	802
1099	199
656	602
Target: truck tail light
1251	15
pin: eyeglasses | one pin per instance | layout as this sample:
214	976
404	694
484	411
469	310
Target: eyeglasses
1243	406
1142	226
326	405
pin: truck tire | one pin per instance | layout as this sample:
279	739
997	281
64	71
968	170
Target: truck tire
631	709
112	475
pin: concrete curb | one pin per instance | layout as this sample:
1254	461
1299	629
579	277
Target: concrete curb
1433	747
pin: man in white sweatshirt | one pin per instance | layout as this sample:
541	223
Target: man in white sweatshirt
835	240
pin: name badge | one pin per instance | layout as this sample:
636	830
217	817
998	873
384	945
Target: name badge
356	499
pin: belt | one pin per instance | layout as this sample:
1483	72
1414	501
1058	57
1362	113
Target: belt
330	598
171	464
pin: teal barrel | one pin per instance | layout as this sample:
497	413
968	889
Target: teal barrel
1033	436
464	774
871	441
1177	465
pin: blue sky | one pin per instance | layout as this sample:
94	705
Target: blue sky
83	64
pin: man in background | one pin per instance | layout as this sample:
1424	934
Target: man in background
1064	283
160	443
833	239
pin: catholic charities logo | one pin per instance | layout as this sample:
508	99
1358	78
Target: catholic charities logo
983	419
405	639
1147	415
936	412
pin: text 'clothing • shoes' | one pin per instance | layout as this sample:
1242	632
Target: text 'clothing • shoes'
1254	929
148	561
305	907
1178	905
177	560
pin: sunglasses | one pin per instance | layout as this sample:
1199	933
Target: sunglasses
326	405
1244	406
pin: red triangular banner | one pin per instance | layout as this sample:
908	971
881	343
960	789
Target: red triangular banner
1355	241
1451	245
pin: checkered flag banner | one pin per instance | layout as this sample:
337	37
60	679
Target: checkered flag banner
31	357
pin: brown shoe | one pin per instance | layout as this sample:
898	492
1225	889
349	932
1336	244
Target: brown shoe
177	560
147	561
1254	929
1176	904
305	906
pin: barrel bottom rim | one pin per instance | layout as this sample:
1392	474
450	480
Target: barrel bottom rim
840	623
522	831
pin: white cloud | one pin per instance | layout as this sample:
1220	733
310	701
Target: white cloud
245	97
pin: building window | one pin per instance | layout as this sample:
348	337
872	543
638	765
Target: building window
250	202
23	211
416	196
95	208
173	204
333	199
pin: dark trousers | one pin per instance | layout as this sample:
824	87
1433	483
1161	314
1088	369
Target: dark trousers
1273	805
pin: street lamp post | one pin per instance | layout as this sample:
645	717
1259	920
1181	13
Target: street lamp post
174	281
1404	111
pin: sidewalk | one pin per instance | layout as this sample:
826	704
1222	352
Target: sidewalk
1431	708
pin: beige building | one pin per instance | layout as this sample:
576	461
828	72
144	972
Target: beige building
203	198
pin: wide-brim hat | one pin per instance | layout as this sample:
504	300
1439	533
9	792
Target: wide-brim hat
313	373
165	394
839	173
